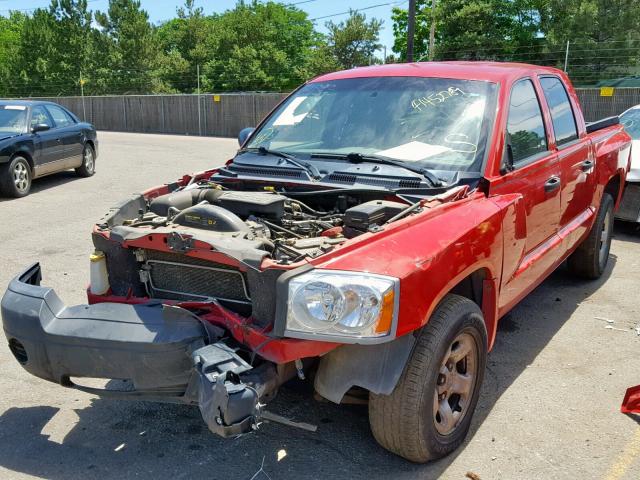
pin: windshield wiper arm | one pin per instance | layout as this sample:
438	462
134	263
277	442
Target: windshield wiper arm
355	157
307	167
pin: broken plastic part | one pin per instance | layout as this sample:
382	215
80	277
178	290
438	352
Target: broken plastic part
631	402
228	406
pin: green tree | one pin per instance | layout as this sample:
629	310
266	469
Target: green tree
399	19
260	46
485	29
186	42
55	47
128	48
10	39
354	41
603	34
473	30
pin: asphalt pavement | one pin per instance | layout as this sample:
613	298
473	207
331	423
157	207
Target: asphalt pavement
549	407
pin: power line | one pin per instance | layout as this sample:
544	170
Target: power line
359	10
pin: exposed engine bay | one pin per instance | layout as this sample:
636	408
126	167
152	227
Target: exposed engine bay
285	227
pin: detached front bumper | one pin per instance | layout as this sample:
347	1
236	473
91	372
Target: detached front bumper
163	351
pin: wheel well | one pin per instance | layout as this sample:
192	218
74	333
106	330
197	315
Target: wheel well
480	288
613	187
90	142
472	286
26	156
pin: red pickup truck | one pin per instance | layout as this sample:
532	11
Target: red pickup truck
368	236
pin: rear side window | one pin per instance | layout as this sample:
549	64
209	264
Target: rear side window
524	125
61	117
564	123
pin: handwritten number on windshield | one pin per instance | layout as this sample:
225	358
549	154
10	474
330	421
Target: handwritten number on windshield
435	98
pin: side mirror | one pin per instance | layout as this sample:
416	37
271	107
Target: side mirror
40	127
244	134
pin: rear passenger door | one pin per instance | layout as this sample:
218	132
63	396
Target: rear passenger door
575	154
70	135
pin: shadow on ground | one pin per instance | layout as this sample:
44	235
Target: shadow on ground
150	441
46	183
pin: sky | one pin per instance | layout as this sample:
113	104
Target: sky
165	9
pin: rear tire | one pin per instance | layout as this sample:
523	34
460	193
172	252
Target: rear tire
428	414
591	257
15	177
88	167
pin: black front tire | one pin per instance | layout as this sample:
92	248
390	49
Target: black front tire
15	177
88	167
407	421
591	257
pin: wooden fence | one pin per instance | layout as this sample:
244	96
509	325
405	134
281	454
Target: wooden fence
225	115
217	115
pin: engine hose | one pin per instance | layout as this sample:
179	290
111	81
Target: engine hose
282	229
309	209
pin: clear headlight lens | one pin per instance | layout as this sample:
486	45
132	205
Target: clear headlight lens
343	304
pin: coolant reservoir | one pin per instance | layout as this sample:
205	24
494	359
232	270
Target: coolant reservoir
98	274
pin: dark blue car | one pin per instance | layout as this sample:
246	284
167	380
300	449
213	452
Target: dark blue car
40	138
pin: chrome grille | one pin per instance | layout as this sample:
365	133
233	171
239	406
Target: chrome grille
175	276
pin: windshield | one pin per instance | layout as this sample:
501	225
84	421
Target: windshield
631	121
13	119
436	123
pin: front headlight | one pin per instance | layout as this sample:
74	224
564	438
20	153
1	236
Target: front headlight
343	306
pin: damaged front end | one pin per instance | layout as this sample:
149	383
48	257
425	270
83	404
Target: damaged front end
164	353
206	292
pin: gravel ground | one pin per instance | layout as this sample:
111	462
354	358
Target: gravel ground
549	406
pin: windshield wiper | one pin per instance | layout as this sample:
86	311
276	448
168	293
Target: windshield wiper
355	157
307	167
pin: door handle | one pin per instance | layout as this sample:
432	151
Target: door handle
552	184
586	165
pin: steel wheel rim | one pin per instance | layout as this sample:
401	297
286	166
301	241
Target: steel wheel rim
21	177
455	384
88	159
603	252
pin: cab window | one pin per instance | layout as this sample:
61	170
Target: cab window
61	117
525	125
562	118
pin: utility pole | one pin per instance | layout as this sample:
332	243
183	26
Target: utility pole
566	57
411	29
432	30
199	115
84	109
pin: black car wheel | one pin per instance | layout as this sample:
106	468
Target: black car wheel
428	414
15	177
591	257
88	167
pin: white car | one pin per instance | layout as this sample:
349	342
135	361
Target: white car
630	206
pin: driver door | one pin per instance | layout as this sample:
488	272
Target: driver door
531	249
48	146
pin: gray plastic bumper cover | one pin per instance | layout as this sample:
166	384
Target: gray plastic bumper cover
149	345
160	349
